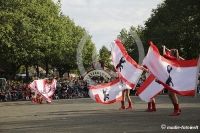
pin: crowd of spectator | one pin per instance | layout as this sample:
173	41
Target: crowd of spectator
71	89
65	89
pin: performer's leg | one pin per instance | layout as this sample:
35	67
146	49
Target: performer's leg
41	99
123	99
170	95
153	104
38	98
33	99
129	99
175	103
149	109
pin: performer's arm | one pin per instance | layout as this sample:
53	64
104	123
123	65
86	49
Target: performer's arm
164	49
144	67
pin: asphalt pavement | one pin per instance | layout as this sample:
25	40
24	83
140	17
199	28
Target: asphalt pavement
84	115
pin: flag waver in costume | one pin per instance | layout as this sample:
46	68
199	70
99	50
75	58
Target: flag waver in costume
129	71
179	76
151	87
45	89
126	67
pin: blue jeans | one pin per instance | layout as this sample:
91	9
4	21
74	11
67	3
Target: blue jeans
198	89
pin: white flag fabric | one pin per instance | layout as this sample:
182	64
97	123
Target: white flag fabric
149	89
123	85
179	76
43	88
126	67
108	93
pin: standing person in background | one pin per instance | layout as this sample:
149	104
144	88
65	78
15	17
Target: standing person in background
173	56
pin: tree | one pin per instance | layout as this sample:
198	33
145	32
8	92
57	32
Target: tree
28	31
36	33
175	24
104	56
131	40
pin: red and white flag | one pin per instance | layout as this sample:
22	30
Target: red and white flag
179	76
108	93
43	88
126	67
149	89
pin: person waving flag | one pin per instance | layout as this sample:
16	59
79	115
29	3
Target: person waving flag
44	88
179	76
126	67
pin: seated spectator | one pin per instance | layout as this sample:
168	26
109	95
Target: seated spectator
23	96
24	86
56	96
74	95
15	97
6	97
198	87
70	92
64	94
28	94
2	95
10	96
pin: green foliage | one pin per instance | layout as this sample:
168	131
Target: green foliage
35	32
176	25
129	39
104	55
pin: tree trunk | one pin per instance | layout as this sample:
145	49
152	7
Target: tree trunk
68	74
27	74
37	70
47	68
14	70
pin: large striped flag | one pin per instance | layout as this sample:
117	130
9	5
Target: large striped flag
179	76
149	89
108	93
43	88
126	67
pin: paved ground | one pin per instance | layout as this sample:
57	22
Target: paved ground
86	116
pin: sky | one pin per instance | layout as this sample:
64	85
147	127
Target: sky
104	19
